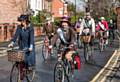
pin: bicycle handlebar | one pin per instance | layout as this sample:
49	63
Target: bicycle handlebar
16	48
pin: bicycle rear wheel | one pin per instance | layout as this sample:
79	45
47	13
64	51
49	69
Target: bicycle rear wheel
59	73
14	74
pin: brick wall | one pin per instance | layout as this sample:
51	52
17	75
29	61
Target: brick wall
11	9
7	31
57	5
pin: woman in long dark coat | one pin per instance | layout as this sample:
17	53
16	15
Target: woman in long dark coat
25	35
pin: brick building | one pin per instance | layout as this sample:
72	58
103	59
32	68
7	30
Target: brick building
11	9
55	7
59	8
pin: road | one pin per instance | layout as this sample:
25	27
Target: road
44	71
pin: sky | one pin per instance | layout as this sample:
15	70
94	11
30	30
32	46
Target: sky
80	4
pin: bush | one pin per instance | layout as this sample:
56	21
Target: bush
39	18
57	21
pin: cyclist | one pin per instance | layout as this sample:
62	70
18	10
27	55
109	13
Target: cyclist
102	27
88	26
77	28
111	29
66	33
49	29
25	36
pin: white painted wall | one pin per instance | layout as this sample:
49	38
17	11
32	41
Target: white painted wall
36	5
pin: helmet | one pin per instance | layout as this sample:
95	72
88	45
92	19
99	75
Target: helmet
102	18
23	17
79	19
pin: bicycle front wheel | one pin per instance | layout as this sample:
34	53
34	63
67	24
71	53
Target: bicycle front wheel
87	52
45	52
59	73
30	74
14	75
101	45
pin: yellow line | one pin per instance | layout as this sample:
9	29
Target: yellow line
102	70
109	72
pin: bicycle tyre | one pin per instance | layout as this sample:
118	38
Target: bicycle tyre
87	52
62	77
30	77
44	53
12	73
101	45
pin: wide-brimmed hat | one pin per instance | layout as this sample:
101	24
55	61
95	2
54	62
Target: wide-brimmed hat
65	19
23	17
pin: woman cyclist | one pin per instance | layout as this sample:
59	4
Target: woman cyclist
25	36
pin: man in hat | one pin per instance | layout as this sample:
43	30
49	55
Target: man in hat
65	32
49	29
88	26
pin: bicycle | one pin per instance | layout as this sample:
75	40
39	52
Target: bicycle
47	50
102	40
19	71
64	68
86	38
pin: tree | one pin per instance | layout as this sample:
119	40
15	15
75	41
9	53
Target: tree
102	7
71	8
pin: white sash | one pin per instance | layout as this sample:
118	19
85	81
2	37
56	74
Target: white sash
102	26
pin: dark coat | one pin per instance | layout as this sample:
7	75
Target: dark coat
26	40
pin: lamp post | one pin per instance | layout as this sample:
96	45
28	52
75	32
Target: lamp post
65	3
87	6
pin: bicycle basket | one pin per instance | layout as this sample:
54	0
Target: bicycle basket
15	55
86	38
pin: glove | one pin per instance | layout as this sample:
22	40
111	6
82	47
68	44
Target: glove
11	44
80	34
52	34
31	47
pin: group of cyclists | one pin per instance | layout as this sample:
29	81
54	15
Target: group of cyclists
65	32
